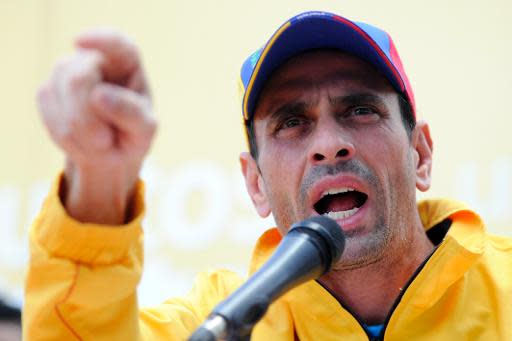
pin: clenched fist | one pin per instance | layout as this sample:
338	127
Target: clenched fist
96	106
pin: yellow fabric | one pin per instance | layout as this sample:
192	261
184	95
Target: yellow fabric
82	280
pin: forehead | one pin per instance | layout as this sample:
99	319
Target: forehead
319	68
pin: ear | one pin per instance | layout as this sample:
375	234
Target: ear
422	143
255	184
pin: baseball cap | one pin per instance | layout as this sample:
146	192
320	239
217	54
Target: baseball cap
316	30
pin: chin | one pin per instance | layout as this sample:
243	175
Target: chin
362	250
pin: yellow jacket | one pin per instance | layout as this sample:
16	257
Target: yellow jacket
82	280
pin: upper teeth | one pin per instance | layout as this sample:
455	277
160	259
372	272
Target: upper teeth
333	191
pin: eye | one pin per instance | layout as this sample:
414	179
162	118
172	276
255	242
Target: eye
358	111
361	114
292	122
291	126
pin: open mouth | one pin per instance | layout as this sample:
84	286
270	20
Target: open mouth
340	203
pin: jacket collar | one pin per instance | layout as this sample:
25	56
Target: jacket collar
467	229
460	248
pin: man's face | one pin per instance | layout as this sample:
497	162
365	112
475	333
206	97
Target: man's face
331	141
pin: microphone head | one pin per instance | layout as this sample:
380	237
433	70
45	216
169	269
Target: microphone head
329	231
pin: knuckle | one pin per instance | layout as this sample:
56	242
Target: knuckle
124	101
118	104
77	79
74	122
62	63
65	134
76	70
93	57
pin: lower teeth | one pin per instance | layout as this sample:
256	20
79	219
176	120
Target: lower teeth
341	214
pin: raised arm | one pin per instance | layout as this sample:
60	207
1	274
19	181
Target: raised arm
86	244
97	108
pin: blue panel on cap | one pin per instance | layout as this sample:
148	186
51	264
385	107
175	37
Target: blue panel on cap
379	36
248	67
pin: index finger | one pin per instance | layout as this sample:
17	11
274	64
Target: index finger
122	59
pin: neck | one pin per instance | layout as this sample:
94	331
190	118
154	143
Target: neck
370	291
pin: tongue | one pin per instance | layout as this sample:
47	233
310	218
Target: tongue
342	202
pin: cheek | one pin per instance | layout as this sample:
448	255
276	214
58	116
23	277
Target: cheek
283	162
401	173
392	160
282	174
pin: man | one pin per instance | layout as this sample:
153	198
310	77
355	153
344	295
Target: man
332	129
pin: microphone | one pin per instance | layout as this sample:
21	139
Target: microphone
307	251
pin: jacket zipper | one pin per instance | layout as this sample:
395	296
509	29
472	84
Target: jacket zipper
402	292
395	303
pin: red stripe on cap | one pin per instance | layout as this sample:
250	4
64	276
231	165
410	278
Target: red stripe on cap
398	62
375	46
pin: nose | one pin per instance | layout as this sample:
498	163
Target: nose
330	144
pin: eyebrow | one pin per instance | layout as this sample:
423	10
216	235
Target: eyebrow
357	99
289	109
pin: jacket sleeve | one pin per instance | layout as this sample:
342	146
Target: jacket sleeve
82	279
177	318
